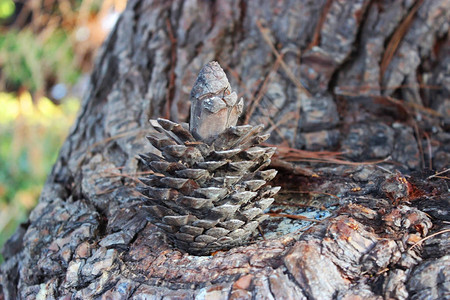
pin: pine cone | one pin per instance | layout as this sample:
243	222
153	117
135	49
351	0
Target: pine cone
209	189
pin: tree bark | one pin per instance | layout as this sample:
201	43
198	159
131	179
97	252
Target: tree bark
369	79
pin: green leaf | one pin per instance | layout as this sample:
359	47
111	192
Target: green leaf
7	8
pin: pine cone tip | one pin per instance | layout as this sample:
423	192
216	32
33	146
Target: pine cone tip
214	106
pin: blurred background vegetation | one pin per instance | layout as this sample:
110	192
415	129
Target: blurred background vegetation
47	48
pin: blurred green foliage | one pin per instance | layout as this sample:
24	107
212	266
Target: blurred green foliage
44	48
36	52
30	138
7	8
30	62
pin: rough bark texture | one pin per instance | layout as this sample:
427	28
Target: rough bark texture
378	76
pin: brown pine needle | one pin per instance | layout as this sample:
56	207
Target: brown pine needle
323	16
443	177
401	103
115	137
429	149
438	173
397	38
254	103
293	204
428	237
382	271
307	192
295	217
265	33
295	155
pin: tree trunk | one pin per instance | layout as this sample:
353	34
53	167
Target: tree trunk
369	79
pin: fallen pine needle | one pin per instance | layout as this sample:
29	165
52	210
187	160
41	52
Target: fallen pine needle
307	192
428	237
295	217
438	173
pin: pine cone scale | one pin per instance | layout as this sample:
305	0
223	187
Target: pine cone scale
209	191
195	203
213	193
